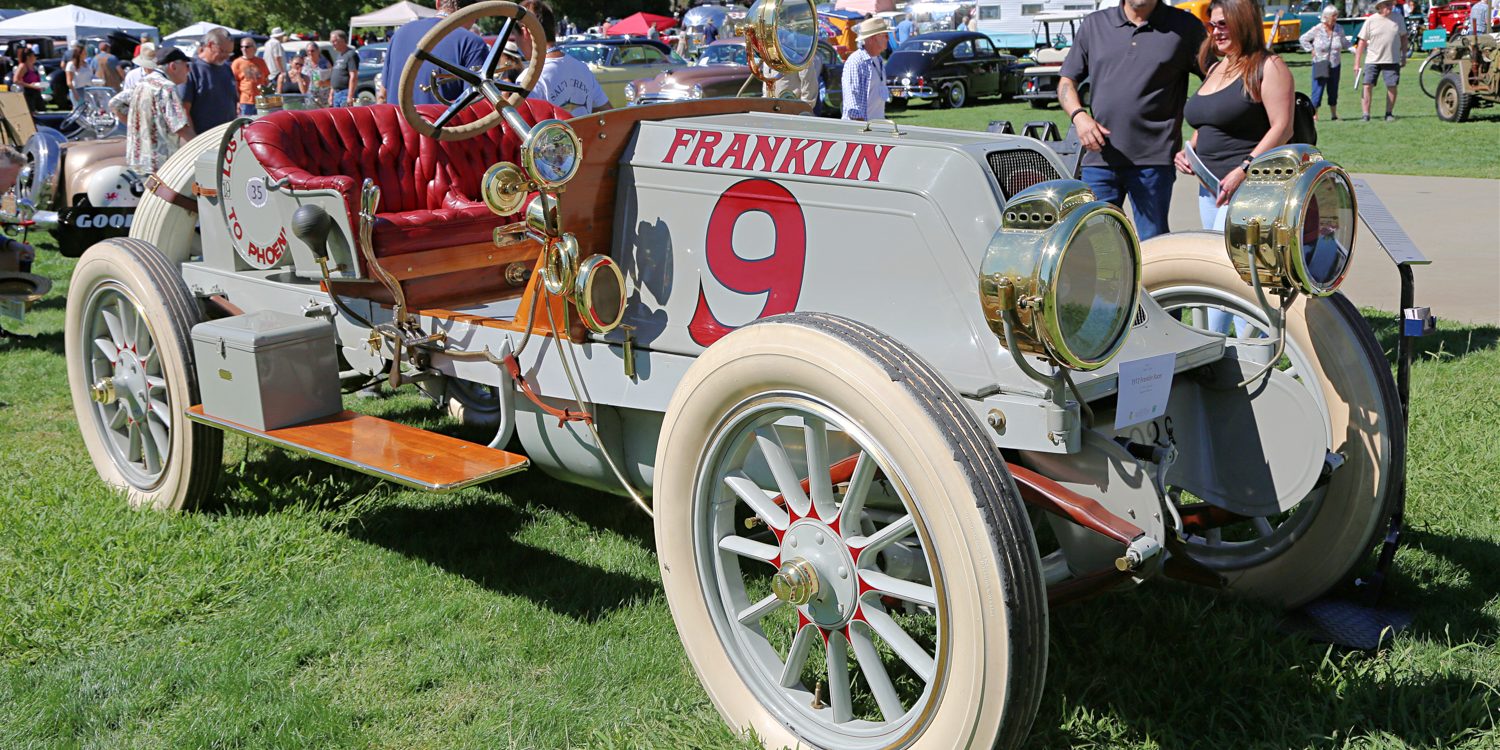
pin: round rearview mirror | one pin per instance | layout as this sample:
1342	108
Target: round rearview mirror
783	34
599	294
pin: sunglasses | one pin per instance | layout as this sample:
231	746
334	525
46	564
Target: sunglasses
1219	25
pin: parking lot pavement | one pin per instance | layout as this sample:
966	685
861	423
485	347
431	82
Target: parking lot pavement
1454	221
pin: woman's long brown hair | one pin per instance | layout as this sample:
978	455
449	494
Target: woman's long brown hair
1244	27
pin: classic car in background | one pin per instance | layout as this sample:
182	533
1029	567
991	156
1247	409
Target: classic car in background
951	68
616	62
371	60
78	188
1450	16
721	70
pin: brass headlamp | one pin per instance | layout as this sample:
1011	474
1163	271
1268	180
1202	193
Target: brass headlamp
1061	278
781	33
1295	213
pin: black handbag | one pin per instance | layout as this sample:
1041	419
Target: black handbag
1320	69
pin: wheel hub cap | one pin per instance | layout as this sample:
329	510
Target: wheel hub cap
103	392
796	582
819	576
130	381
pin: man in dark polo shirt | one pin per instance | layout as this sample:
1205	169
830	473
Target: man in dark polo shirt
1136	57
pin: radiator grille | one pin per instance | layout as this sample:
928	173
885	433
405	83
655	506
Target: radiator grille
1018	169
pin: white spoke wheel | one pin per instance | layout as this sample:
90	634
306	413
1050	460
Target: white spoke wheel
846	557
1295	556
131	376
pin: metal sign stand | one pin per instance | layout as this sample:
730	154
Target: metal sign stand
1365	625
1415	321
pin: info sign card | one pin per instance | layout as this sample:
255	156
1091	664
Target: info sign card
1144	387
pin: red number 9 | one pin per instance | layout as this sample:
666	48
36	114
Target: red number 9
778	276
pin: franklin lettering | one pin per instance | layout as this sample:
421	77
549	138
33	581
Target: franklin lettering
839	160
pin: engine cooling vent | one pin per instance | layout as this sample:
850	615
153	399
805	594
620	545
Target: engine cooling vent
1018	169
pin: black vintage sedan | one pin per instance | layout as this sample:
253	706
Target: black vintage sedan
951	68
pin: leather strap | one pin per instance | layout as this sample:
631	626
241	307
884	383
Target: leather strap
563	415
169	195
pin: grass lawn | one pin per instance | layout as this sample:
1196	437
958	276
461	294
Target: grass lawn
1416	143
319	609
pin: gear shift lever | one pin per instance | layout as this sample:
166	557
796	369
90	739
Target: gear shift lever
311	224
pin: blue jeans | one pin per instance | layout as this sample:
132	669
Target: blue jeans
1149	188
1213	217
247	110
1330	85
341	98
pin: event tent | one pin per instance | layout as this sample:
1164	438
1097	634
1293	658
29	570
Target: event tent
71	22
866	6
637	24
197	30
398	14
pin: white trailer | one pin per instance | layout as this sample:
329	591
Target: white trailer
1012	24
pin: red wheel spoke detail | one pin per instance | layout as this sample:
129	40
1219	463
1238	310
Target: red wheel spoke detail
837	473
1202	517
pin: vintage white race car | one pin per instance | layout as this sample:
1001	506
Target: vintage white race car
890	394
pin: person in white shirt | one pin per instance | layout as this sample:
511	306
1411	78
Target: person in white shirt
565	81
145	62
275	57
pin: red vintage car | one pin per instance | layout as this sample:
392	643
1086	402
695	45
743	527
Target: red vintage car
1450	16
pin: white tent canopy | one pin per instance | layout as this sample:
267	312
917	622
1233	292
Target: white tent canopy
197	30
393	15
72	22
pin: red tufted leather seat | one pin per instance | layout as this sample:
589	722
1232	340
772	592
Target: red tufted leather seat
429	189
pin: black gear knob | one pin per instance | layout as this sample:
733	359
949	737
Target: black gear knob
311	224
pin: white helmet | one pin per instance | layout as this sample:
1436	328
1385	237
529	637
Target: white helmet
115	187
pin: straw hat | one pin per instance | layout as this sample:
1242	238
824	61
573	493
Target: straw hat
277	33
871	27
145	57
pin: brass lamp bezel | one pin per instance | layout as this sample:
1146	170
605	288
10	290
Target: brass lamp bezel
559	266
762	43
1019	274
529	155
503	188
598	269
1267	214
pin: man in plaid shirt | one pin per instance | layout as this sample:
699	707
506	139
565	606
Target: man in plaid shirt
864	72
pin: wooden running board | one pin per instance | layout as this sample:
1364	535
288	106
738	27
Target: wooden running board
381	448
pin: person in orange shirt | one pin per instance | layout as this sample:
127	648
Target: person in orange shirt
251	73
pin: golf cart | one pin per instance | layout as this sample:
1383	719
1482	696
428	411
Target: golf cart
1039	82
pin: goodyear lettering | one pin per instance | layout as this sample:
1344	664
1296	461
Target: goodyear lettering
798	156
103	221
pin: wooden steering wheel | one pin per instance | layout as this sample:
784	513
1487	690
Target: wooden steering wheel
481	84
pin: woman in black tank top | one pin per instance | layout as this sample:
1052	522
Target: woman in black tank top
1244	107
1242	110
